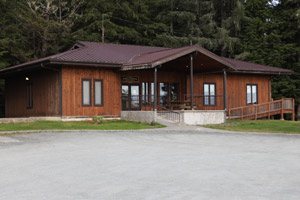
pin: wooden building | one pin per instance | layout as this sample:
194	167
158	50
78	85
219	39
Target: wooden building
104	79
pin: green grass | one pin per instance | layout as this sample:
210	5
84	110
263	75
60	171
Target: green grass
271	126
80	125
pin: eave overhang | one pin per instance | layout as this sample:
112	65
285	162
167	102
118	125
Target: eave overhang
53	62
160	61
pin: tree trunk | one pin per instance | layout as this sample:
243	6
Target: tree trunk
59	11
172	9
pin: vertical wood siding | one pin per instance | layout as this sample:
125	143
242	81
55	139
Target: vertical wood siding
45	85
199	80
236	89
72	91
162	77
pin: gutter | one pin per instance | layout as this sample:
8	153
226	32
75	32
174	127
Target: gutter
43	64
262	72
93	64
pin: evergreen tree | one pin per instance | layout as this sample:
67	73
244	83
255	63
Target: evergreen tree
260	31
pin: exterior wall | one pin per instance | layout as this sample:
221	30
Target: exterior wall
162	77
72	91
202	117
236	89
45	85
199	80
140	116
28	119
236	86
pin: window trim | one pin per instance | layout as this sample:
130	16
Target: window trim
168	94
209	104
102	103
144	94
90	103
29	97
251	84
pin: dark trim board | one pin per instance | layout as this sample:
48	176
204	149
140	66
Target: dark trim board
251	84
102	103
60	93
209	103
82	95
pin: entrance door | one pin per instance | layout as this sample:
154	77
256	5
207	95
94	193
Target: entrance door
131	97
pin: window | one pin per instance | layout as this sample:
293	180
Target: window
174	91
163	93
251	93
29	95
152	93
209	94
145	93
86	92
98	92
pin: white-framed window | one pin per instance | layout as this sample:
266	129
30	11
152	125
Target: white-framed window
209	94
251	93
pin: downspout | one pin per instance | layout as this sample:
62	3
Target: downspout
225	89
192	83
60	93
155	94
155	90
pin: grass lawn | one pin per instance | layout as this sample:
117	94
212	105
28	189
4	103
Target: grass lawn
271	126
80	125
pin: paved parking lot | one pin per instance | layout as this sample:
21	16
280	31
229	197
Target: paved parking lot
152	164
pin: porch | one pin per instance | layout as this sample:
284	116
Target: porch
190	89
190	82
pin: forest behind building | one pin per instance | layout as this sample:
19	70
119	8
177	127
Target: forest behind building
260	31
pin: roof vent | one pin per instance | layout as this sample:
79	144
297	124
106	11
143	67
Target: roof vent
77	45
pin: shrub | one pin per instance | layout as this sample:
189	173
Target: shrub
98	119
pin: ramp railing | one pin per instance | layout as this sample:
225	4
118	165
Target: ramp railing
285	105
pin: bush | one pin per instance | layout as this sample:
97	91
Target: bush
154	123
98	119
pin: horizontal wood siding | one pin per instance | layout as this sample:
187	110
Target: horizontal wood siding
72	91
236	89
45	86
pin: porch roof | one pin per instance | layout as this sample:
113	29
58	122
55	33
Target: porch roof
131	57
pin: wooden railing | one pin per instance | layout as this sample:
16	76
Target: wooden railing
285	105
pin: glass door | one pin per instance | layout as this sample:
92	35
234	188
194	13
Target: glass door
131	97
135	97
125	97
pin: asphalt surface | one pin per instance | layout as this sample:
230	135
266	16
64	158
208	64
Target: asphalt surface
171	163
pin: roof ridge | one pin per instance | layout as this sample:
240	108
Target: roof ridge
166	49
135	56
136	45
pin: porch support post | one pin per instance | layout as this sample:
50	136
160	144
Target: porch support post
225	88
192	83
155	89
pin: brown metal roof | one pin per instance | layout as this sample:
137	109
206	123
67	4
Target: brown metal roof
154	59
248	67
129	57
93	52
